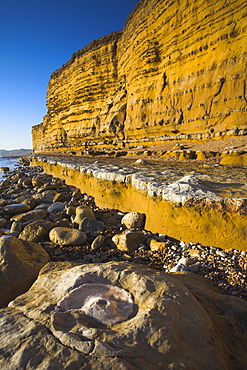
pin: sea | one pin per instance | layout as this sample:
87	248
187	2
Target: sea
7	162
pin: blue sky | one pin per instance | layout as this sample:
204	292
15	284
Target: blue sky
36	38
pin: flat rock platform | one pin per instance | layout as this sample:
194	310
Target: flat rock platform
188	200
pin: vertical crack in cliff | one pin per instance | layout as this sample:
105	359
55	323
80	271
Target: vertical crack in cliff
118	123
165	83
222	82
244	92
181	117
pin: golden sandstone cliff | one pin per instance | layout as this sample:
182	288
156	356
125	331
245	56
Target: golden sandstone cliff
177	70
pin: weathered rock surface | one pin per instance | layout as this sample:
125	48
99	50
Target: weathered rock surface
20	264
36	230
46	196
36	214
185	202
134	220
81	213
98	242
13	209
128	240
37	181
3	222
67	236
178	321
56	207
90	225
186	64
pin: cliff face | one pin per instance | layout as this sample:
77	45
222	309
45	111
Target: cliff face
178	69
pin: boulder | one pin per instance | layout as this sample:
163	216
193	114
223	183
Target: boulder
36	230
56	207
16	226
122	316
32	346
13	209
134	220
37	181
81	212
30	201
19	266
90	225
36	214
4	169
67	236
98	242
3	222
128	240
157	246
46	196
59	197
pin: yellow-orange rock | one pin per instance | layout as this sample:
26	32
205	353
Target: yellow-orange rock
178	68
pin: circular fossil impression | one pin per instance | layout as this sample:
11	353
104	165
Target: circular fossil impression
107	304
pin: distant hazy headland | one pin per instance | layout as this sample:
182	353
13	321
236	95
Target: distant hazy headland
15	152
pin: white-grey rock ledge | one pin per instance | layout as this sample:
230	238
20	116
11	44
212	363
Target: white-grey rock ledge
180	191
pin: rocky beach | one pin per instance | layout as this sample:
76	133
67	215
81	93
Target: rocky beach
105	234
46	223
123	235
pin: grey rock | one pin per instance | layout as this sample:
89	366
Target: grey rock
59	197
16	226
43	206
13	209
3	222
46	196
63	223
76	195
30	201
56	207
90	225
37	181
70	210
98	242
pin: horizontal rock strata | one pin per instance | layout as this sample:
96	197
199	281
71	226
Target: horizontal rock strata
176	70
189	208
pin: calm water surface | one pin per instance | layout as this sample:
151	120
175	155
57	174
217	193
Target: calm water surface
7	162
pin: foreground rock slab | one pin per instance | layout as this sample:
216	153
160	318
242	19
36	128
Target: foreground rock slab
176	321
20	263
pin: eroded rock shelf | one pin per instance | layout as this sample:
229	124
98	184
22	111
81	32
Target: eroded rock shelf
187	202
